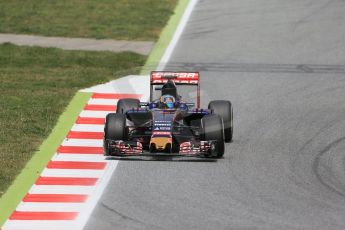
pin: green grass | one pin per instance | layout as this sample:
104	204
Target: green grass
115	19
36	86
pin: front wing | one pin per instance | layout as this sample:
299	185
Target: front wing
121	148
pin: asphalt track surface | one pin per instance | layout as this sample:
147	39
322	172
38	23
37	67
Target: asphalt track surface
281	63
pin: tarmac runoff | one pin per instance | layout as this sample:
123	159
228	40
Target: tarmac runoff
140	47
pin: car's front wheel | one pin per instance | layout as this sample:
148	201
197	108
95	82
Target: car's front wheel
114	129
212	130
224	109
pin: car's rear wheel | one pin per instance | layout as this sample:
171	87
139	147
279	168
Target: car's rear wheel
212	130
127	103
224	109
114	129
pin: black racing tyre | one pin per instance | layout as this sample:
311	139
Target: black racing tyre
127	103
212	129
114	129
224	109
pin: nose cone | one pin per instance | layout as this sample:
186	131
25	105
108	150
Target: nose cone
161	143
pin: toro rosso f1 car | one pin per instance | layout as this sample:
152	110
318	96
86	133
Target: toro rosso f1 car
167	125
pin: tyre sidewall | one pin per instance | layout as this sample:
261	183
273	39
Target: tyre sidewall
212	130
224	109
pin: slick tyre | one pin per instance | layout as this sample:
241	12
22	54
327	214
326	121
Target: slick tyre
127	103
212	130
114	129
224	110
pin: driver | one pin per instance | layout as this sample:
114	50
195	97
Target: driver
168	101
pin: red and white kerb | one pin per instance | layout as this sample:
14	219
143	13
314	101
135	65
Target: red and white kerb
73	177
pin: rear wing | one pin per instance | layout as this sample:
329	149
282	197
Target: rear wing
179	78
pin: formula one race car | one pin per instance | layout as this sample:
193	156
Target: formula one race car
169	126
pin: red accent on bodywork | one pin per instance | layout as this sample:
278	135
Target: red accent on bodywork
157	75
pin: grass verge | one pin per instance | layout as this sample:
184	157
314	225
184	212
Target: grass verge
33	168
115	19
36	86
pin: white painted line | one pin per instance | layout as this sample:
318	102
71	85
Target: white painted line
168	52
50	207
79	157
61	189
88	128
39	225
83	142
95	114
96	101
72	173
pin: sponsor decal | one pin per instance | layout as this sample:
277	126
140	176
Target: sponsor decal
138	110
162	81
189	75
164	128
180	77
162	124
161	133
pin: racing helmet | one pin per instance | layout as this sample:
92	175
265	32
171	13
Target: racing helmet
168	100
